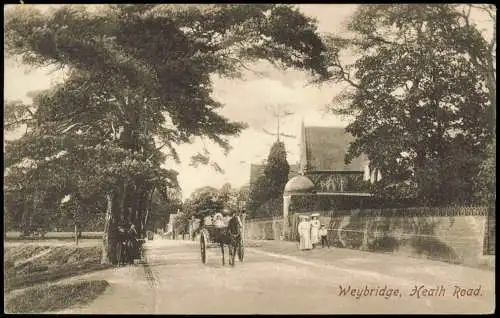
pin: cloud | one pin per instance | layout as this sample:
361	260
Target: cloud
21	80
250	147
253	100
331	17
246	101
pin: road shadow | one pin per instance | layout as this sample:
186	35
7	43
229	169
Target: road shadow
175	256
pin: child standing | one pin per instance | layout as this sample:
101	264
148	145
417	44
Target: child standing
323	233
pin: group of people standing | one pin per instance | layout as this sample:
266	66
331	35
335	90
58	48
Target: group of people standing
127	235
311	232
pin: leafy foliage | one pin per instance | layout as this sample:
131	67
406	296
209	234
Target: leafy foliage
420	109
209	200
204	200
486	179
138	83
277	169
268	189
258	195
160	210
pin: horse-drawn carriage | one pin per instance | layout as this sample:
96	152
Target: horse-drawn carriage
215	231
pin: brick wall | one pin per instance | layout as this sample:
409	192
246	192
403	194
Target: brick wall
460	235
489	242
452	234
263	229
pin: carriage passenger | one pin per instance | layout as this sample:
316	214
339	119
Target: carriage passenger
219	221
208	220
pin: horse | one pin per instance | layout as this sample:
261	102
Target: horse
231	236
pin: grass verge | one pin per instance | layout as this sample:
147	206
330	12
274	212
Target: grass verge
49	298
60	262
14	254
16	236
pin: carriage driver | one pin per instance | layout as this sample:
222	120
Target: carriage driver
229	214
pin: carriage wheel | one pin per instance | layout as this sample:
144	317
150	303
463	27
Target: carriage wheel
241	251
203	248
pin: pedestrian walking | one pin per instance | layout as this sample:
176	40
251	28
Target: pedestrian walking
304	229
323	232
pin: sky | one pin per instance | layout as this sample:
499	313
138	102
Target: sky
248	100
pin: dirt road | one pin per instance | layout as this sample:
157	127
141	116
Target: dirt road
176	282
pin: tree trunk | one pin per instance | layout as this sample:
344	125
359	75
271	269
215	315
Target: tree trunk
76	234
76	218
106	246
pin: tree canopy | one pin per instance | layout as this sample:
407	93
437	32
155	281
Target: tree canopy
420	98
209	200
266	195
137	83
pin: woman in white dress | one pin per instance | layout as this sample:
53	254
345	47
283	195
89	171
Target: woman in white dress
315	225
304	229
219	220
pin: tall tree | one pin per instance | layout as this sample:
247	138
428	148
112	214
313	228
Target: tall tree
482	52
277	169
204	199
139	76
266	195
419	107
233	198
468	38
202	202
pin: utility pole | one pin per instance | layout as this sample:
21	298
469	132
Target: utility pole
278	112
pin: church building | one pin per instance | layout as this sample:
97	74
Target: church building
324	182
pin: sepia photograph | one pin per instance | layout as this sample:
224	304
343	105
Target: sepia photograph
249	158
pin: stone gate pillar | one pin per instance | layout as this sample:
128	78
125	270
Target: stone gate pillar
286	206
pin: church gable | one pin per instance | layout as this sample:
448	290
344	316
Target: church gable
324	149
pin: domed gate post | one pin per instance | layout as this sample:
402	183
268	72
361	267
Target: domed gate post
286	207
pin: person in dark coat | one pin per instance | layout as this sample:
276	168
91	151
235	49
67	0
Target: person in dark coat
121	238
133	244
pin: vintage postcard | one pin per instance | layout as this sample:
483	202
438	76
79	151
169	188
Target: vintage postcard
249	158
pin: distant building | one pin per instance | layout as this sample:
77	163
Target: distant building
322	159
324	149
324	181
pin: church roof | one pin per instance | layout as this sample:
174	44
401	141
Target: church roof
325	149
